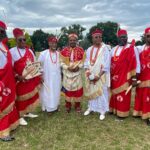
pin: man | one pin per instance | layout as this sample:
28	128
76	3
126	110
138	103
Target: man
50	95
71	60
8	113
142	100
97	67
26	90
124	66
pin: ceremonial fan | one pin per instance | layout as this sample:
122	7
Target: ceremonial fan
33	69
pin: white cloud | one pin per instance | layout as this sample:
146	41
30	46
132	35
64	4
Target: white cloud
54	14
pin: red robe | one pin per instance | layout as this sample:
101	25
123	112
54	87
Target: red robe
27	92
8	113
142	99
121	72
65	54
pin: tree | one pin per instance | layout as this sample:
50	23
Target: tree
39	39
109	32
28	40
85	43
11	42
38	46
140	42
75	28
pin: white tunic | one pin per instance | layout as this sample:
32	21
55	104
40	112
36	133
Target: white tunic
100	104
3	57
136	55
52	78
141	48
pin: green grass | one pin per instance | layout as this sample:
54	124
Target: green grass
72	131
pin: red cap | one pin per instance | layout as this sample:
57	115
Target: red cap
97	32
52	39
18	32
121	32
73	35
147	30
3	25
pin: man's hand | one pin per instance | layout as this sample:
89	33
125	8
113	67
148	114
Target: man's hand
134	83
20	78
96	78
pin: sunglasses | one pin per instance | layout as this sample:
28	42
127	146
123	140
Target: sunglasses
2	31
22	40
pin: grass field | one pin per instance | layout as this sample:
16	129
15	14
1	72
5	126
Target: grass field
63	131
72	131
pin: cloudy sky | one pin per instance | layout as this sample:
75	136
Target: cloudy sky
51	15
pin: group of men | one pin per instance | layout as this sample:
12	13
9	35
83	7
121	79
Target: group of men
18	96
118	69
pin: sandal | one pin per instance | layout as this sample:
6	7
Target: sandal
7	139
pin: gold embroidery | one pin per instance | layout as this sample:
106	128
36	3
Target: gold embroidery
28	95
7	131
94	95
30	108
119	113
64	59
144	84
120	89
73	99
7	110
143	116
130	74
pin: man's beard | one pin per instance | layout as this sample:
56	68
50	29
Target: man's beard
3	36
122	42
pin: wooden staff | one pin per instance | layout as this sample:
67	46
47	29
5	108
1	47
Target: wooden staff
130	87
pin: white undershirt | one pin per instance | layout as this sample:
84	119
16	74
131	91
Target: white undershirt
3	57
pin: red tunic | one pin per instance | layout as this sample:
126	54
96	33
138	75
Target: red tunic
121	72
77	56
8	113
142	99
27	92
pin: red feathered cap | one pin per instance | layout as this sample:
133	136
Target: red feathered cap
121	32
72	35
3	25
147	30
97	32
52	39
18	32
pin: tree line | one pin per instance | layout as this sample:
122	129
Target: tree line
38	40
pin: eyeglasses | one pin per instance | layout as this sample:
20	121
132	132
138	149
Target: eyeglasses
2	31
22	40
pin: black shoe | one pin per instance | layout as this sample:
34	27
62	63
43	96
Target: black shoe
7	139
110	113
119	119
68	110
78	110
148	122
